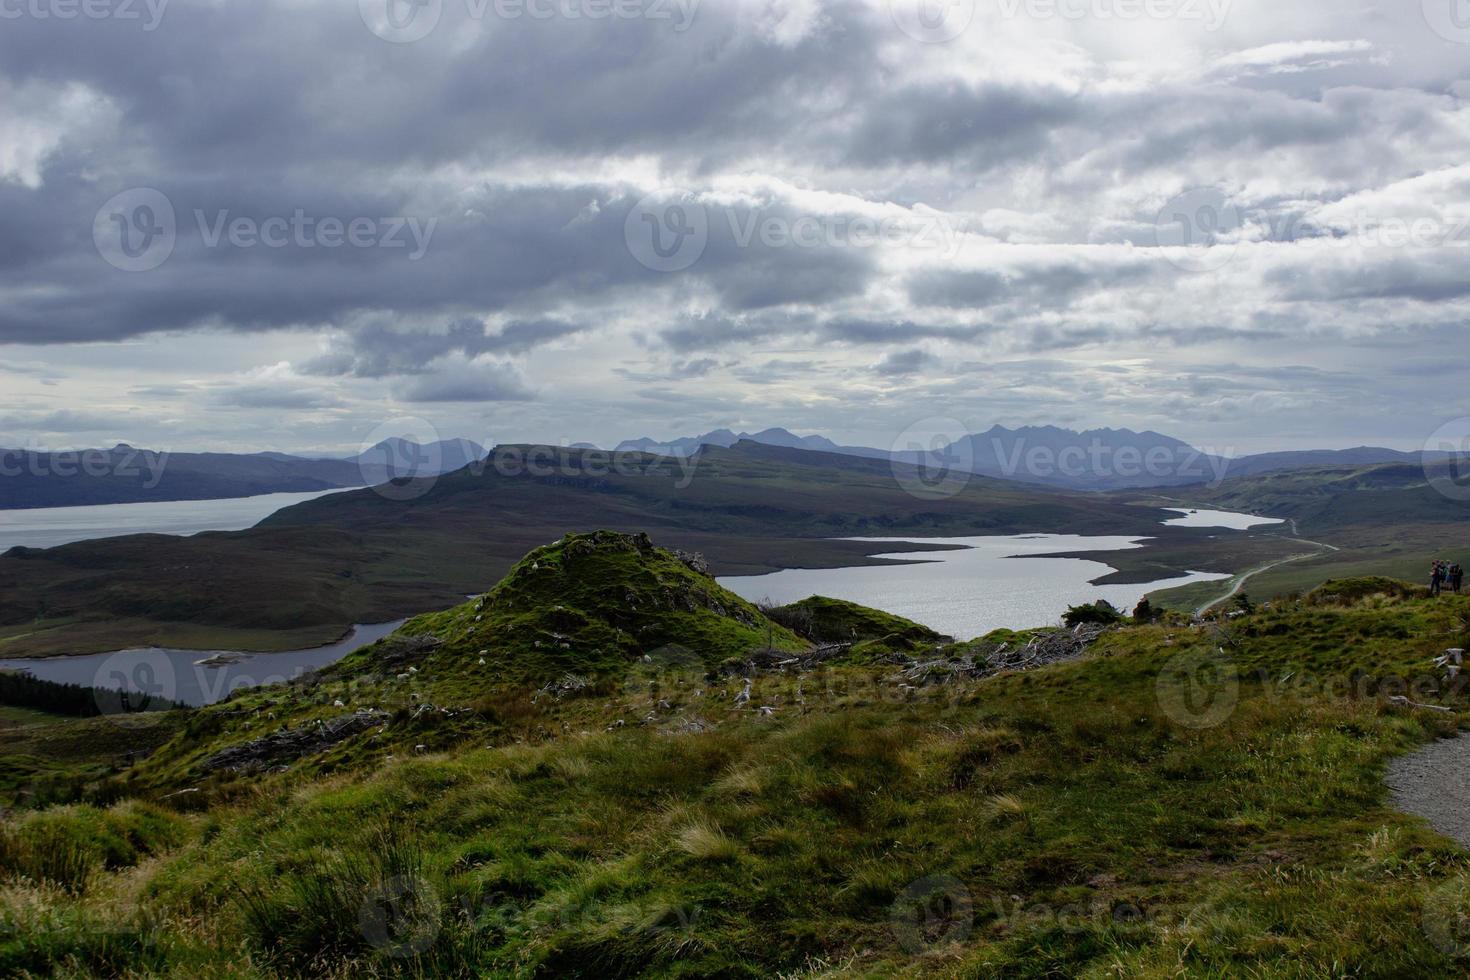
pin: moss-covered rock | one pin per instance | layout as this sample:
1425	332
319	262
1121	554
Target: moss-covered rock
825	620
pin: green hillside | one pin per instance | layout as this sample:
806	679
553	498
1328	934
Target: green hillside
1333	497
1343	521
472	798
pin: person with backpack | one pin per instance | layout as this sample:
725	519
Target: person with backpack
1435	571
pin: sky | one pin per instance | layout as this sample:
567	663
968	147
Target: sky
247	225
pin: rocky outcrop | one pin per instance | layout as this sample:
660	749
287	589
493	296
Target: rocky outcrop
396	652
290	744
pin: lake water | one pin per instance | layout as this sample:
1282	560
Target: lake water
1218	518
51	526
989	584
176	675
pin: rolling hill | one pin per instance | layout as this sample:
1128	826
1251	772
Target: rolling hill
126	475
1352	520
310	571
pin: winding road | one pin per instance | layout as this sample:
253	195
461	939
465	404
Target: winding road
1239	581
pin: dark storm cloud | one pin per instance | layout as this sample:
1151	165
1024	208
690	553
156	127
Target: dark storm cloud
1047	286
903	363
693	333
981	127
222	84
276	108
377	349
1428	279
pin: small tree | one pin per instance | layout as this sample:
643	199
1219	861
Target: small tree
1101	612
1244	604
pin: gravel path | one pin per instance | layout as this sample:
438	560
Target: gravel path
1241	579
1434	783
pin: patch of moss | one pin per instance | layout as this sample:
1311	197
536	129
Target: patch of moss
1356	589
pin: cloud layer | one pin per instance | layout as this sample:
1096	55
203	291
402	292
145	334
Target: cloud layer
835	216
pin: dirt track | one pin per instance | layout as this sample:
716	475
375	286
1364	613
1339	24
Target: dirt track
1434	783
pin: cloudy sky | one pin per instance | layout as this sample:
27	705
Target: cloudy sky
284	224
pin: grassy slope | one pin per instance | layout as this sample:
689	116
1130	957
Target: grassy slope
52	758
1083	828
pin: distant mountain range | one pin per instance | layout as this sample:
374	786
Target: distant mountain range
724	438
124	474
1095	459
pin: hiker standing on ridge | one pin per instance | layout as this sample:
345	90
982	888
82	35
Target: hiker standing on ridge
1435	571
1457	575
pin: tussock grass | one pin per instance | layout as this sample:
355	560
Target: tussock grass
706	842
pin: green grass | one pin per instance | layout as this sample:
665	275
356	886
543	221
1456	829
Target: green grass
1070	821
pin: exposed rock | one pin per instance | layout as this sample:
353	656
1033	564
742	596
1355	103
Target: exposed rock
290	744
693	560
395	652
220	660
